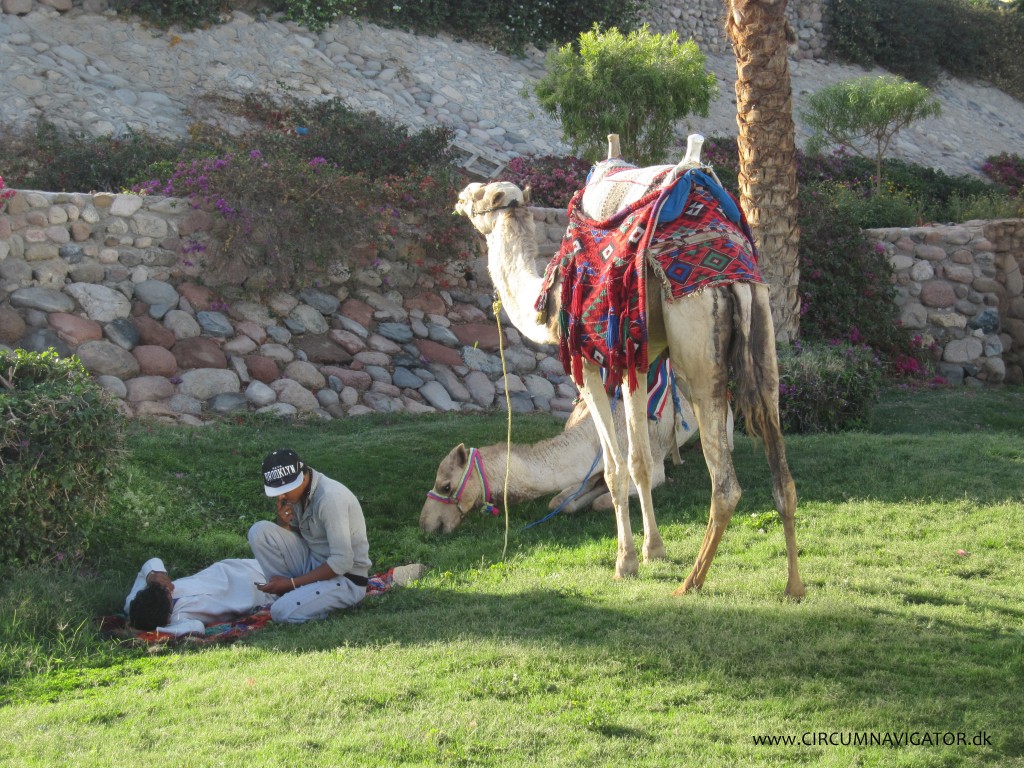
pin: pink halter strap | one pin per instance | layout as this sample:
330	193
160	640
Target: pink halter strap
475	462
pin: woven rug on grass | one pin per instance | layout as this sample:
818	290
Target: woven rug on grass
116	626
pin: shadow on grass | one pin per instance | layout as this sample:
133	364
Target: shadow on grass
872	660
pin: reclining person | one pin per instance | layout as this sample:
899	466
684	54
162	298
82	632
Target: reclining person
224	591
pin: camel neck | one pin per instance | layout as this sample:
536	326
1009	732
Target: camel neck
535	470
512	265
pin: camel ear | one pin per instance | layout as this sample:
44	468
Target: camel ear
461	454
497	198
526	195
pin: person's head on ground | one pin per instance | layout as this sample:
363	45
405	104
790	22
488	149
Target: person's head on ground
150	608
285	476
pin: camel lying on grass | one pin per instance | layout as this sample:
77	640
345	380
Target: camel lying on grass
569	465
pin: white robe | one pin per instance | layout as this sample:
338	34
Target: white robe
224	591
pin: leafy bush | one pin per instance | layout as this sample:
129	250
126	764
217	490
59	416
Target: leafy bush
510	25
992	205
4	193
846	290
636	85
340	182
355	142
552	179
826	388
918	38
315	16
867	208
723	156
188	14
321	215
59	438
1006	169
58	161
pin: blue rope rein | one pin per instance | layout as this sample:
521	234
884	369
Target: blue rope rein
653	416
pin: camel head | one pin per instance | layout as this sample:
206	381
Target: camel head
483	203
454	495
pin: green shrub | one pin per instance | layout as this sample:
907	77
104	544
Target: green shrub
322	215
918	38
187	14
827	388
509	25
846	291
355	142
988	206
887	207
932	187
636	86
60	435
315	16
55	160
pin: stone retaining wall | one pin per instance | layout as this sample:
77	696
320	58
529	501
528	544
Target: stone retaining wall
704	21
960	286
102	276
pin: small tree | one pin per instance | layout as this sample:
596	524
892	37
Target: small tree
636	85
865	114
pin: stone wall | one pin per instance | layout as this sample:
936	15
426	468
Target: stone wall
101	276
704	21
960	286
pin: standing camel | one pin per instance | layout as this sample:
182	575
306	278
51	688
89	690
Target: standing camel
705	332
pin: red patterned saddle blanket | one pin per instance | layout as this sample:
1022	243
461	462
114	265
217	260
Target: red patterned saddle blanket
705	242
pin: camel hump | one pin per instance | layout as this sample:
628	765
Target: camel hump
615	184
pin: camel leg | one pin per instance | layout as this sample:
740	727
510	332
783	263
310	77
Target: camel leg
616	474
784	494
641	464
700	330
783	487
590	491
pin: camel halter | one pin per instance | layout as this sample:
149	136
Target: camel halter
507	206
475	462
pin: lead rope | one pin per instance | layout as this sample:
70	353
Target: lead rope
508	407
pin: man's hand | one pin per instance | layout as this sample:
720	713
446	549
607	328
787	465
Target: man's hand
276	585
285	513
161	578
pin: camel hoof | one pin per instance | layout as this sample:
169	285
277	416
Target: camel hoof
626	568
654	552
687	587
795	592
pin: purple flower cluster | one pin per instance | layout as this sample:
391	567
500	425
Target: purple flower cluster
553	179
1006	169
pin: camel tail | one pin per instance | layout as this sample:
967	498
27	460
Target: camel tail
754	364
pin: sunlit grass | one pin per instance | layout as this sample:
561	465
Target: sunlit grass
911	547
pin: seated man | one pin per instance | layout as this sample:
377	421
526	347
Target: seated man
316	555
224	591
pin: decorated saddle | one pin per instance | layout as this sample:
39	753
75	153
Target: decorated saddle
690	233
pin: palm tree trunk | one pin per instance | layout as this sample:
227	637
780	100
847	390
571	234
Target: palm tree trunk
767	149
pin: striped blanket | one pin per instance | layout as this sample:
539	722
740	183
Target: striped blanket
691	234
116	626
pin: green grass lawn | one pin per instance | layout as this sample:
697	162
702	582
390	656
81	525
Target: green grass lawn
911	546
